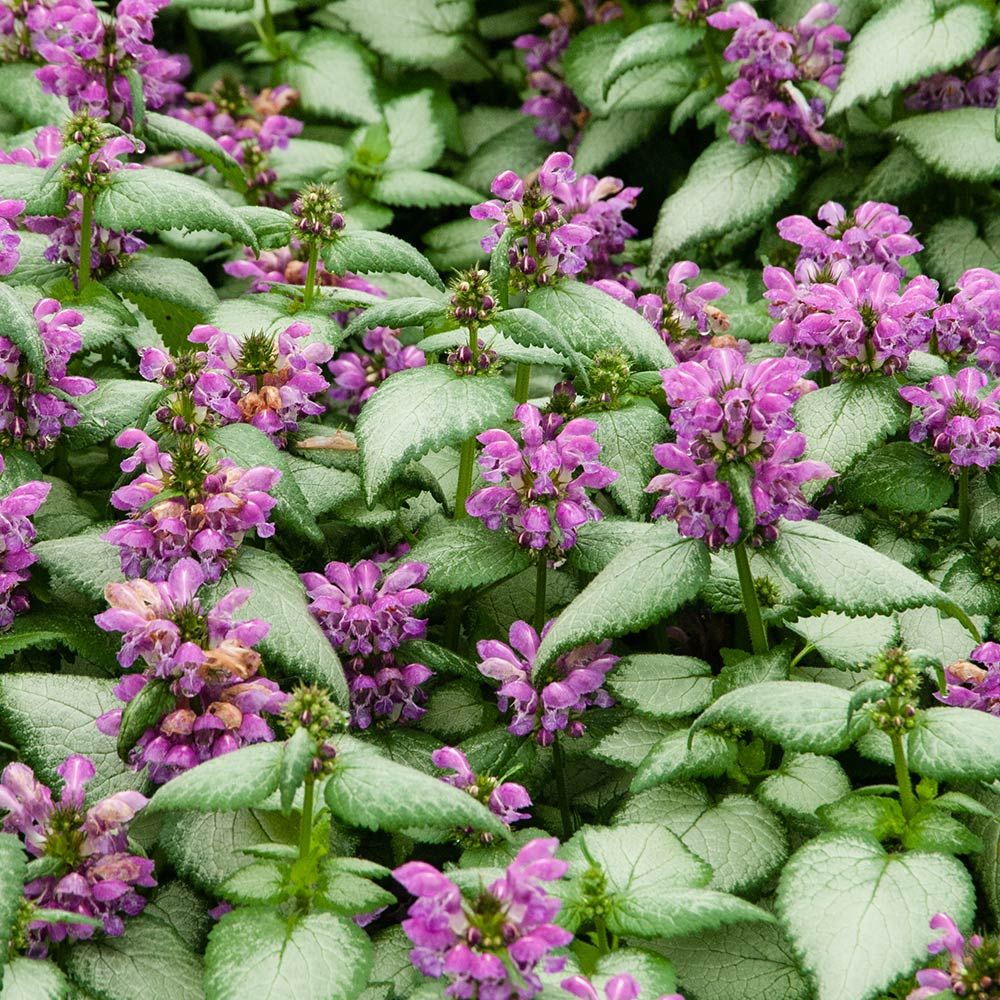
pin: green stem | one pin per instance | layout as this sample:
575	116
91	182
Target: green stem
306	822
86	239
541	570
963	505
602	935
310	289
465	466
521	382
474	343
751	607
907	801
559	766
714	66
267	23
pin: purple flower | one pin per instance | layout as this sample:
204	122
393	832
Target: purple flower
695	10
494	946
357	376
30	414
620	987
966	967
261	380
975	683
553	703
974	85
10	239
539	486
383	690
765	102
957	418
96	875
504	799
970	323
860	324
16	535
87	58
206	522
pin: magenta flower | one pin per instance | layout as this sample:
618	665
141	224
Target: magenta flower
975	683
494	946
261	380
504	799
16	535
32	416
974	85
957	419
765	102
860	324
356	376
968	963
539	486
970	323
95	873
206	523
556	702
620	987
87	58
10	239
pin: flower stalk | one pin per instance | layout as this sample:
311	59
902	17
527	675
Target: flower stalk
751	606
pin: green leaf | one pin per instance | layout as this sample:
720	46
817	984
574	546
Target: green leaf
900	476
325	490
933	829
48	629
115	404
366	252
770	666
20	328
662	686
83	563
798	715
50	716
803	784
858	917
954	744
846	420
370	791
593	321
653	973
32	978
295	642
457	709
416	139
952	246
332	77
627	437
630	741
421	189
879	817
587	59
270	225
646	581
419	33
903	43
259	882
152	703
745	962
652	44
240	779
603	140
169	283
652	86
154	200
315	957
937	139
929	629
846	642
295	760
727	188
420	410
684	755
28	184
13	864
167	133
533	330
21	94
411	311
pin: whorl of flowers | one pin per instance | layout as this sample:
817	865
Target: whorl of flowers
859	324
620	987
204	509
31	416
357	374
269	382
969	325
558	113
16	535
727	412
495	945
95	873
538	486
972	965
974	682
974	85
555	702
366	612
958	419
765	102
87	56
504	799
207	659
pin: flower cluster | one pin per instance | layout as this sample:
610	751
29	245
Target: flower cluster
975	682
31	415
269	382
620	987
16	535
185	506
538	486
957	419
973	968
727	412
366	613
859	324
975	85
765	102
87	57
356	375
207	660
683	317
546	705
495	945
10	239
970	323
504	799
558	112
95	875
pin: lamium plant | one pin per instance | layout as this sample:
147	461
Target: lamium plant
499	502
